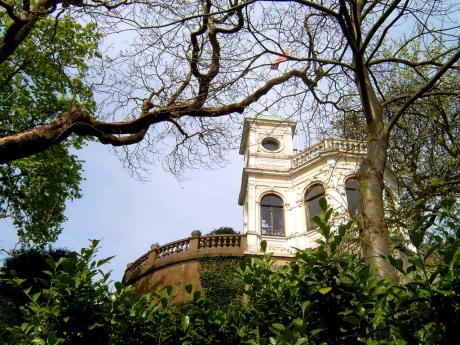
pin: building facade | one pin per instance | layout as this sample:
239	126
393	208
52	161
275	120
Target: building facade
281	188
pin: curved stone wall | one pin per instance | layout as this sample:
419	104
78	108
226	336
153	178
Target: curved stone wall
177	263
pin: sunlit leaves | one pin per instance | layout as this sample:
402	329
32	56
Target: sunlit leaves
43	78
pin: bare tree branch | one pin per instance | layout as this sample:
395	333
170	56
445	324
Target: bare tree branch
441	71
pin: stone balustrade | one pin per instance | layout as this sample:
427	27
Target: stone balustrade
173	248
328	145
191	248
220	241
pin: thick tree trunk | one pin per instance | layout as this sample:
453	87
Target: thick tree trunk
373	236
374	233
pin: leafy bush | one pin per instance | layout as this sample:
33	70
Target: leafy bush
28	265
223	230
323	296
426	308
77	307
217	277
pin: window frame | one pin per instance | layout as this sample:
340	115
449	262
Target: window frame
310	224
271	209
271	140
353	190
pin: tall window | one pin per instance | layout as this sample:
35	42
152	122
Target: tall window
272	215
353	198
312	196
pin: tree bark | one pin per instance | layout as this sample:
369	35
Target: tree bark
374	233
22	25
79	122
374	238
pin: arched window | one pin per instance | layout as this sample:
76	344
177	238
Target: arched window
353	198
312	196
272	215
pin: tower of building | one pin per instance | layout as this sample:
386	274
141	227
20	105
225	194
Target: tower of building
281	188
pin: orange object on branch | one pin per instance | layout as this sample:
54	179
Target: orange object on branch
276	62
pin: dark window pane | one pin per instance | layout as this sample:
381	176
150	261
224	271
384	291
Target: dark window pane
271	200
351	183
314	208
278	222
265	220
270	144
314	192
353	197
312	197
272	216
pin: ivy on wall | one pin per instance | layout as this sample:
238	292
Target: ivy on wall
217	277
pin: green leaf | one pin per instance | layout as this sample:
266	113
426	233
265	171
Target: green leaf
278	327
263	246
396	263
325	290
317	220
352	320
298	322
416	238
95	325
323	204
185	322
304	306
104	261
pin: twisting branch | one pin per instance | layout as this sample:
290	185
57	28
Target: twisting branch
179	127
22	25
9	11
81	123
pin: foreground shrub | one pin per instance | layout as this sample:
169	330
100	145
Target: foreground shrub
323	296
28	265
77	307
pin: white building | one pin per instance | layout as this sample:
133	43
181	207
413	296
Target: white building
281	188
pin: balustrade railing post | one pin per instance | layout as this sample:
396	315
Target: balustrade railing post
243	243
195	241
153	253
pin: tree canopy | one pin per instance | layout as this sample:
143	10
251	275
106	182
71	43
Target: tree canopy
423	148
223	230
43	77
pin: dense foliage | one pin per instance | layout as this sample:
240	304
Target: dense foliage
223	230
43	78
217	278
29	266
325	295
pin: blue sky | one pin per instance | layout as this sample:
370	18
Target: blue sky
129	215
